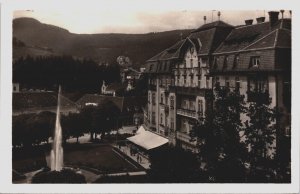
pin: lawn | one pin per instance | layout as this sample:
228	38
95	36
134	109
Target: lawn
100	157
87	156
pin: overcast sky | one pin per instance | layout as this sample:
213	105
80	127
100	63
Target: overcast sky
108	20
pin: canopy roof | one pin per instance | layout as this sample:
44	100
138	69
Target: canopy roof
147	139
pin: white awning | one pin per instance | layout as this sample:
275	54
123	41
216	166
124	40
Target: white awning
147	139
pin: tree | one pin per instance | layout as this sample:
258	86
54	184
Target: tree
173	165
218	137
100	119
73	124
260	131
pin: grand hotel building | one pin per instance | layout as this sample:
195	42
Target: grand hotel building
247	58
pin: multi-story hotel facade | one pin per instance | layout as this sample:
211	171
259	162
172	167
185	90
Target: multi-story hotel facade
247	59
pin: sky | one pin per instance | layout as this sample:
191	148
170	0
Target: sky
110	20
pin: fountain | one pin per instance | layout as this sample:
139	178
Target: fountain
57	174
56	158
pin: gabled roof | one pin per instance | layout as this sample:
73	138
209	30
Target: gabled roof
123	103
255	36
212	25
115	87
169	53
27	100
162	62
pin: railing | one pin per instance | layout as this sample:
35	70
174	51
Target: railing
186	112
191	91
151	87
185	138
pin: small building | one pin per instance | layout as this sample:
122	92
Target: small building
128	106
112	89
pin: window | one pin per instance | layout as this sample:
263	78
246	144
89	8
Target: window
216	61
207	81
225	62
161	98
161	119
258	84
150	68
184	79
200	107
236	61
172	102
149	98
255	61
191	62
153	98
217	82
172	123
227	83
237	84
160	82
153	118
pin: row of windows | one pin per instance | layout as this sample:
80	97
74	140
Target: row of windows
162	99
227	83
254	62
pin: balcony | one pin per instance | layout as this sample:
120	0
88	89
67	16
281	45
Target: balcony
166	109
187	113
259	97
191	91
185	138
151	87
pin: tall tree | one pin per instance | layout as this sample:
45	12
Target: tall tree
260	130
173	165
218	135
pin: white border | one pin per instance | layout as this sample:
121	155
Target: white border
7	7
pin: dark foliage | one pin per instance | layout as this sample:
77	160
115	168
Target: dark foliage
32	129
73	74
173	165
123	179
221	150
64	176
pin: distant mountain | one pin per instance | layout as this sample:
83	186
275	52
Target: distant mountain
38	39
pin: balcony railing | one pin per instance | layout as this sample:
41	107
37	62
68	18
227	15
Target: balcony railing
151	87
185	138
186	112
191	91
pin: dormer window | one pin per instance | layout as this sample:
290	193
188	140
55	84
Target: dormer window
225	62
216	61
255	61
236	61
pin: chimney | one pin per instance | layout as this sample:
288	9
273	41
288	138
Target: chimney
282	12
260	20
273	17
248	22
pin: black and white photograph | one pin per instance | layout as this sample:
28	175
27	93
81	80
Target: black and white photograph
140	96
